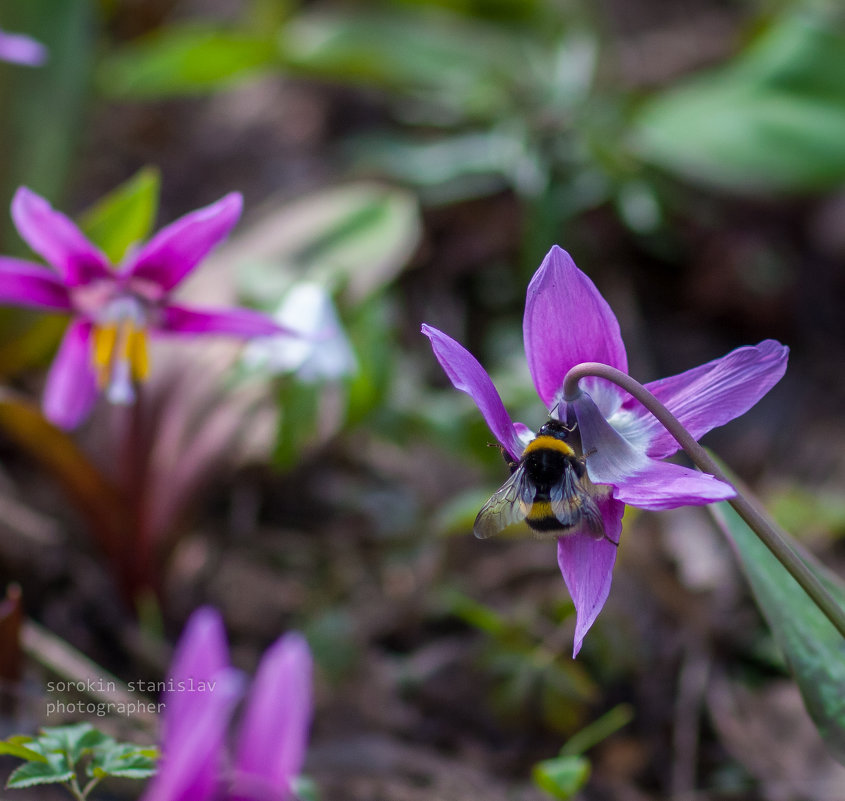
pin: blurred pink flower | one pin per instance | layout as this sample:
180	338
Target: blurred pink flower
20	49
114	308
202	692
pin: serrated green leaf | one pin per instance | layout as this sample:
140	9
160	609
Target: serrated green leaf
184	59
54	770
124	760
562	777
14	747
125	215
772	120
74	740
813	648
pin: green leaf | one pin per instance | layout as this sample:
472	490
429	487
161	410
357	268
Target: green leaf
185	59
13	746
74	741
125	215
299	403
44	108
53	770
600	729
124	760
28	339
370	329
452	167
771	120
813	648
506	10
475	614
563	776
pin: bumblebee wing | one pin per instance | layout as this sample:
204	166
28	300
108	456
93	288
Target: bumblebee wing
572	504
509	504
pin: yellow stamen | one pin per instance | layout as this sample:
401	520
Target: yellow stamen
120	342
105	339
137	353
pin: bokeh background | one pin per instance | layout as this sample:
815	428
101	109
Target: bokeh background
416	159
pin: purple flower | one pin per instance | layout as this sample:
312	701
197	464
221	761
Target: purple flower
114	308
202	691
20	49
567	322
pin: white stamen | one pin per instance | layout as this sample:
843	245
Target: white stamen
120	389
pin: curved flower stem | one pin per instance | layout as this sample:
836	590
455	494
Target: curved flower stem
754	518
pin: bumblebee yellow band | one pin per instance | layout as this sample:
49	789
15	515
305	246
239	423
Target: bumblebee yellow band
548	444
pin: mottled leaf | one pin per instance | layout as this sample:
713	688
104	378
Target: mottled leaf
354	238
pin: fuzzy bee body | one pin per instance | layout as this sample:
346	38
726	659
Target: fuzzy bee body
548	488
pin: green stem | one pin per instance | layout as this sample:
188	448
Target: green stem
756	520
92	783
73	786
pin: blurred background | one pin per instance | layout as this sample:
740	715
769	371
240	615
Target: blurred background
409	161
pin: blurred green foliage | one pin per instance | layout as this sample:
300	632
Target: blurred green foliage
521	655
480	97
564	775
771	120
44	108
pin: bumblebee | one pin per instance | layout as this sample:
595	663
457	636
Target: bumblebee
548	488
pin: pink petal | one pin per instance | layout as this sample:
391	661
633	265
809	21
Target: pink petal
568	322
244	323
175	250
636	478
201	653
25	284
56	238
21	49
191	763
663	485
274	732
587	567
467	375
710	395
71	385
